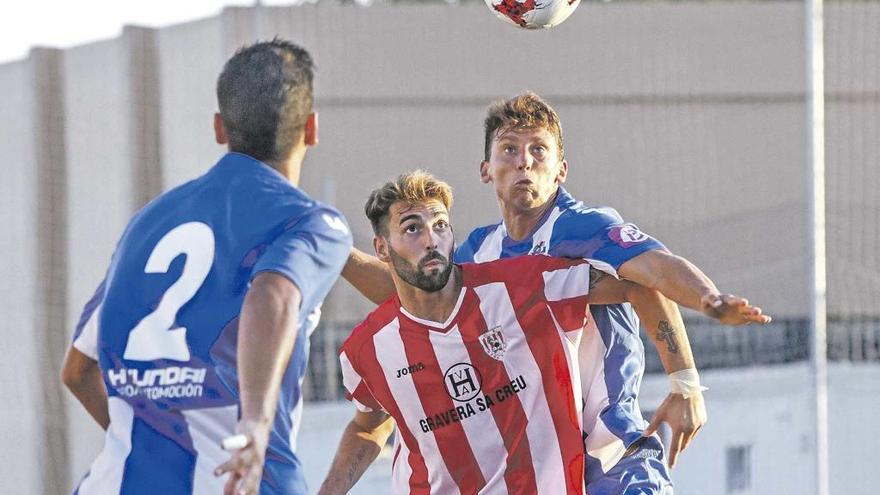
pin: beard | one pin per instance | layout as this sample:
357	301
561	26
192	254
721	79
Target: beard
414	274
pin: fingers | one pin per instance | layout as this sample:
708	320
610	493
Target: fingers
227	467
658	417
245	470
733	310
655	423
229	487
675	448
250	483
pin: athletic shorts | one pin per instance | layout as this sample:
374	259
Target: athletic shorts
642	472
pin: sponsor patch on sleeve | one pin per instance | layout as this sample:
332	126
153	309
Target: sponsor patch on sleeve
627	235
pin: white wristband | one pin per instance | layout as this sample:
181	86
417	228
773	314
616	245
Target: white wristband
686	382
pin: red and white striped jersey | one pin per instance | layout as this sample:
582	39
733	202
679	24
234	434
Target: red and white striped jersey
487	401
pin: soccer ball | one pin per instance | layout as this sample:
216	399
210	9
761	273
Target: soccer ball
533	14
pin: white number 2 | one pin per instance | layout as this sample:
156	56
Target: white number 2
153	338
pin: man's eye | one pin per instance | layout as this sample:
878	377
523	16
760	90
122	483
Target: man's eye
441	225
411	229
509	149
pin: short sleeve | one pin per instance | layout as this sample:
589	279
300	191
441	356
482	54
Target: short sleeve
85	334
356	389
602	237
311	252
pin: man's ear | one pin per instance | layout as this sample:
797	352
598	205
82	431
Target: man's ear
310	136
380	245
484	172
563	172
220	129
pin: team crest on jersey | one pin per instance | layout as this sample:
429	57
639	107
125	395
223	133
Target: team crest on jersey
627	235
493	343
540	248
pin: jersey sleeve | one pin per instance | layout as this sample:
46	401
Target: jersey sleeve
602	237
356	389
85	334
467	251
311	252
566	290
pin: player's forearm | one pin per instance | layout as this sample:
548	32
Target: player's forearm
82	376
266	336
664	326
675	277
358	448
369	276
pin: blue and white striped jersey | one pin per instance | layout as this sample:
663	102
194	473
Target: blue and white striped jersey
611	367
163	326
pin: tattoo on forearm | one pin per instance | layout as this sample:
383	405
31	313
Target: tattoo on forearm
595	277
666	333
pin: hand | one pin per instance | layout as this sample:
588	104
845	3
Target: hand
732	310
245	467
685	417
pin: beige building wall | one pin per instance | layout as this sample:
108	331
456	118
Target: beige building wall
20	371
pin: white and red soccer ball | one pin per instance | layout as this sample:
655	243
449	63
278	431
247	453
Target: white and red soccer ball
533	14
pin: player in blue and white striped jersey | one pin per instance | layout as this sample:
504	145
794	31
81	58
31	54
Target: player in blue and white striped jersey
201	328
524	160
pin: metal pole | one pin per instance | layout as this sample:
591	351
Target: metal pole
816	120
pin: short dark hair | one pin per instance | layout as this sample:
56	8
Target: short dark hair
524	111
412	187
265	98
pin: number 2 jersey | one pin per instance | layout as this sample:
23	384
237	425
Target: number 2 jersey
164	326
611	366
485	402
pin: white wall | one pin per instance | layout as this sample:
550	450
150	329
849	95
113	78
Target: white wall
20	376
770	409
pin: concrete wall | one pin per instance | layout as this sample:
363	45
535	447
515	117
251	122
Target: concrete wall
20	380
767	410
770	411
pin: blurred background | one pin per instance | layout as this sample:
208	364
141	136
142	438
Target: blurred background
690	118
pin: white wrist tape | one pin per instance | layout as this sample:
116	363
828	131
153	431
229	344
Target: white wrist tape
686	382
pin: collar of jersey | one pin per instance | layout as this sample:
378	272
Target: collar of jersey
434	324
236	159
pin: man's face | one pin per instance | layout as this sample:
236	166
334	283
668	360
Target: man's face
525	167
419	244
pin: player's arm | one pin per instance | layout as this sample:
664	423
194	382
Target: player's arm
266	336
82	376
680	280
683	409
369	276
361	442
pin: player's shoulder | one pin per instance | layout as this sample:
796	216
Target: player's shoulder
375	321
466	251
516	269
479	234
576	212
579	221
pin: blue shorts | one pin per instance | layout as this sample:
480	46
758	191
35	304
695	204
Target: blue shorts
642	472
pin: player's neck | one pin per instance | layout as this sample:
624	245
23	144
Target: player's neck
431	306
291	167
521	222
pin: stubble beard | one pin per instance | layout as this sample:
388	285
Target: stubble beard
413	274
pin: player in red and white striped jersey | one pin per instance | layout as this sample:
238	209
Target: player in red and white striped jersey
475	363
